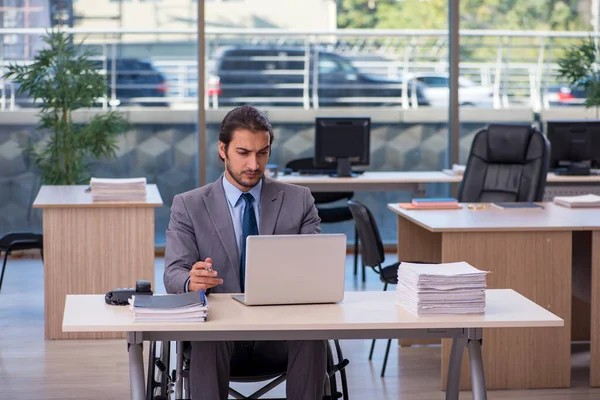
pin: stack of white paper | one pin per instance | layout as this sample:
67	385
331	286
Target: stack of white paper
106	189
185	307
586	200
451	288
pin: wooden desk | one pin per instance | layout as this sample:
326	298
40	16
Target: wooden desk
92	247
528	251
586	280
362	315
414	181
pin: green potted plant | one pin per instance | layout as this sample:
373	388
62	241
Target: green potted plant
580	69
63	78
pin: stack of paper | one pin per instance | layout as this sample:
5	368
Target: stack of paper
106	189
457	170
451	288
185	307
435	203
586	200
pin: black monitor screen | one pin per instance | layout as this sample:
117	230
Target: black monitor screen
342	138
574	141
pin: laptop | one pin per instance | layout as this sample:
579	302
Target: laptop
294	269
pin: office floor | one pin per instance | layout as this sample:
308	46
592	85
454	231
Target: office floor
32	368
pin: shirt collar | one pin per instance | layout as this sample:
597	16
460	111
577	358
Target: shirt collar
233	194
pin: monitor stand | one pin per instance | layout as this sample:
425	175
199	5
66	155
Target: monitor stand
573	169
344	169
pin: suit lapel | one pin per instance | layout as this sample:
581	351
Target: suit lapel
218	210
270	205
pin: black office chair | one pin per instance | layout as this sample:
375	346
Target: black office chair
373	256
160	383
19	241
507	163
329	214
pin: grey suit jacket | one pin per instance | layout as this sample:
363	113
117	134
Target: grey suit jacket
201	227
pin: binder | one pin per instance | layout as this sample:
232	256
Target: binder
184	307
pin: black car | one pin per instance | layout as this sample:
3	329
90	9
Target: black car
284	76
137	83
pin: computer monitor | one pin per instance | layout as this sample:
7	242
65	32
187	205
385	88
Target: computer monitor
574	146
345	141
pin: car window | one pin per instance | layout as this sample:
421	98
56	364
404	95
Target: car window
346	66
328	66
464	82
434	81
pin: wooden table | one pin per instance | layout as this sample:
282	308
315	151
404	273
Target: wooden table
92	247
528	251
586	279
361	315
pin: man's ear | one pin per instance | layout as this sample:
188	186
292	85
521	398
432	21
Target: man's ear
222	151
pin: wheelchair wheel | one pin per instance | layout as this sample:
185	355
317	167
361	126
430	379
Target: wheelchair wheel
158	383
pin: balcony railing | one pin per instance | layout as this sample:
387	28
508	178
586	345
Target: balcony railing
517	67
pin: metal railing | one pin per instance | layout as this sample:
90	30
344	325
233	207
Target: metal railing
519	66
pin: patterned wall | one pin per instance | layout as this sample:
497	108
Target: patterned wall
166	155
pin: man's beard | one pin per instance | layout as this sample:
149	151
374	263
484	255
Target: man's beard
238	177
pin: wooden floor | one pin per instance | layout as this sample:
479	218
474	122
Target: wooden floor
32	368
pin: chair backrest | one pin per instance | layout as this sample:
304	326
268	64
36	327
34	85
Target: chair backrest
507	163
371	246
320	197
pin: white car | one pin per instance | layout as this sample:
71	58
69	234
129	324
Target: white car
469	93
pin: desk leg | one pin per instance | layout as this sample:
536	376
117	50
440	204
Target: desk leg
136	366
476	364
454	367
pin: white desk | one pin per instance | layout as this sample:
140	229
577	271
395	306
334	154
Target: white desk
362	315
551	177
372	181
415	181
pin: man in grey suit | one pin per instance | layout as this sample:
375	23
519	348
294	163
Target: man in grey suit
206	250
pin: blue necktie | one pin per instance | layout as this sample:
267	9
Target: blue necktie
249	227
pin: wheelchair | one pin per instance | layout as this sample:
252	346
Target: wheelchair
175	385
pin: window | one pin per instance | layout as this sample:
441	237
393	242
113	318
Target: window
435	81
327	66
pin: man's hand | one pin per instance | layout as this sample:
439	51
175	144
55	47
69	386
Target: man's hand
203	277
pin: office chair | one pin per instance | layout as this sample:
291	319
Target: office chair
160	383
373	256
329	214
507	163
19	241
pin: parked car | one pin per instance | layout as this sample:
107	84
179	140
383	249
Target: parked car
564	95
137	83
12	98
280	76
469	93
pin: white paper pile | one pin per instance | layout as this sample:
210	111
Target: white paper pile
586	200
185	307
451	288
130	189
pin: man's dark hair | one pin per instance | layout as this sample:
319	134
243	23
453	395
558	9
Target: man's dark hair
244	117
